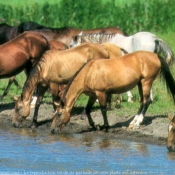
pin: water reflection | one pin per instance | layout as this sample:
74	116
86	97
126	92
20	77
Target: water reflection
27	150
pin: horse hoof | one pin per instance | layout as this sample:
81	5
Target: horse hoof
131	126
98	127
83	117
33	125
117	106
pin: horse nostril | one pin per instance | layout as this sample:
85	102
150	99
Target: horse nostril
169	148
53	131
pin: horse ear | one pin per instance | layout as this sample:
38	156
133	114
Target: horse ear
56	104
170	117
15	98
80	34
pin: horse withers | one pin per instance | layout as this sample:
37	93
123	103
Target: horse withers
171	134
115	76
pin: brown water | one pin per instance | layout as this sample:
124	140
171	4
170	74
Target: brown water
23	151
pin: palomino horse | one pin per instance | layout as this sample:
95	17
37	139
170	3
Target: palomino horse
139	41
115	76
171	134
58	67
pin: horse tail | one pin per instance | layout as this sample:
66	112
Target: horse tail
162	47
166	74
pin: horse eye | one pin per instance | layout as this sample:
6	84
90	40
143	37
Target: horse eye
18	108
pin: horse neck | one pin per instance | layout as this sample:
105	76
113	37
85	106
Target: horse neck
74	88
31	84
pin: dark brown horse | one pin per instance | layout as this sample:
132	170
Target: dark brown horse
8	33
58	67
21	53
171	134
115	76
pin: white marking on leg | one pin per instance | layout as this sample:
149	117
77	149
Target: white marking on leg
129	96
139	121
33	103
134	120
170	127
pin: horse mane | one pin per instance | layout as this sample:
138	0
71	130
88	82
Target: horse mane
63	99
97	38
34	76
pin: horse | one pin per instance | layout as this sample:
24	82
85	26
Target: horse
63	34
114	76
52	45
7	33
139	41
171	134
66	34
23	52
58	67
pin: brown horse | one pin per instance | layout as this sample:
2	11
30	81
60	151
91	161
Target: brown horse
58	67
52	44
171	134
21	53
115	76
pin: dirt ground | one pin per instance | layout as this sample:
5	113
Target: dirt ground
153	130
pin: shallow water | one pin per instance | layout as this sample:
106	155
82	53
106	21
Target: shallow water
23	151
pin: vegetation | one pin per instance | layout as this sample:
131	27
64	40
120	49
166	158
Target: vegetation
156	16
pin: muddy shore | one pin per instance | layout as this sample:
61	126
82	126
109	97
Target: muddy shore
153	130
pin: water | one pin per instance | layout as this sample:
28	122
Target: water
23	151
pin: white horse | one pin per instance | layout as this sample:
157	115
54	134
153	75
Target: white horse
140	41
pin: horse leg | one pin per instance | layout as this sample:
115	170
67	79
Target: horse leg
118	101
103	106
108	98
11	80
40	94
144	92
129	97
90	103
109	101
34	99
17	84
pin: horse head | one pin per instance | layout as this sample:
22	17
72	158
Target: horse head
21	111
76	40
171	134
59	121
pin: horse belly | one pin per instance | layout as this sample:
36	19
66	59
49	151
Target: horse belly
113	81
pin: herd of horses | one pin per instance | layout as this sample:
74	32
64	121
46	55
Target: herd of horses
96	62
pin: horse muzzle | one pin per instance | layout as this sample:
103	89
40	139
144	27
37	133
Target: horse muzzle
171	148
